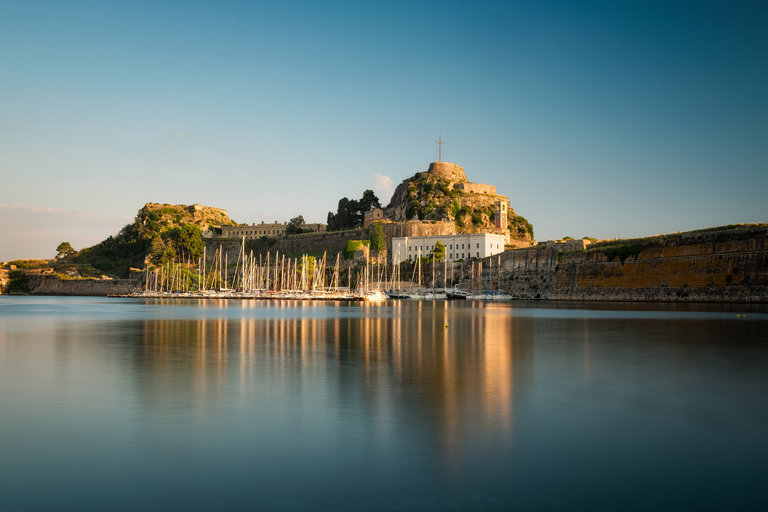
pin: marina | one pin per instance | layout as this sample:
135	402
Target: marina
305	278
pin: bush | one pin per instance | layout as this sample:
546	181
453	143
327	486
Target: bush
119	253
378	241
352	246
19	282
623	252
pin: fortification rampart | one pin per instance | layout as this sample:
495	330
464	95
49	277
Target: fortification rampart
53	285
724	266
720	266
332	242
448	171
476	188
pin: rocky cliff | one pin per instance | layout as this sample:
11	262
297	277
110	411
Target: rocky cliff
715	266
157	217
443	193
53	285
728	265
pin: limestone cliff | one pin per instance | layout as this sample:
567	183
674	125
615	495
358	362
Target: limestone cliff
443	193
161	233
158	217
721	265
727	264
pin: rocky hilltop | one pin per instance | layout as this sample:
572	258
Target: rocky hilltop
443	193
156	217
161	233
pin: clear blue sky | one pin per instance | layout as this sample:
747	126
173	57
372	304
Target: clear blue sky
605	119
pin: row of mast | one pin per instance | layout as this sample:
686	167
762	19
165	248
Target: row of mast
279	273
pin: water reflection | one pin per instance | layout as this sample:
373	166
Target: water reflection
413	405
453	366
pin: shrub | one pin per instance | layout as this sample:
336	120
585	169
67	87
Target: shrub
352	246
18	283
623	252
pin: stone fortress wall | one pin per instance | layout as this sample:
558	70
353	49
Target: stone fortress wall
263	229
476	188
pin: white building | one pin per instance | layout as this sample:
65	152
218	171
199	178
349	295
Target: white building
457	247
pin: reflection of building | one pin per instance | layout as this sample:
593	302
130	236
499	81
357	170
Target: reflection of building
449	384
259	230
457	247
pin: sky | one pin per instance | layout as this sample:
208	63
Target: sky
596	118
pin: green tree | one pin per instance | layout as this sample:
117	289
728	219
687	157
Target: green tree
350	212
117	254
369	201
64	249
183	241
339	220
294	225
438	253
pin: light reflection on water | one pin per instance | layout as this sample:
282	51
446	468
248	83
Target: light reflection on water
126	404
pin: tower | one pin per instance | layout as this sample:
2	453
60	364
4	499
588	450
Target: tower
500	214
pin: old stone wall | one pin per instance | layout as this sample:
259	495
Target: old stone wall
448	171
726	266
476	188
416	228
52	285
522	273
331	242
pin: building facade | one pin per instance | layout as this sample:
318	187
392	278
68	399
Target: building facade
372	215
259	230
457	247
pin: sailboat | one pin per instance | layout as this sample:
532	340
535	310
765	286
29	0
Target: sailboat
396	292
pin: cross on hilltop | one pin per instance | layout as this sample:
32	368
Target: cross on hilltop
440	149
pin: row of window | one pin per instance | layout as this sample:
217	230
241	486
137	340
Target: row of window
450	247
450	256
268	232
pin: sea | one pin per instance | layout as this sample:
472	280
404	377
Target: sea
123	404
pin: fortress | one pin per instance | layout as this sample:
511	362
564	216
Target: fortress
269	230
443	193
457	178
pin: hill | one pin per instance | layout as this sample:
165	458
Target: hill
161	233
443	193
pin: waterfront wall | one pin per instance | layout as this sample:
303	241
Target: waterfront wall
718	266
724	266
53	285
332	242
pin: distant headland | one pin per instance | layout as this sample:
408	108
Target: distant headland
428	214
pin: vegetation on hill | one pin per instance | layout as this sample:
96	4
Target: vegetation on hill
429	196
352	246
160	234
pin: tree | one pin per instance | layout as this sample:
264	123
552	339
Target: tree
64	249
369	201
351	212
438	253
185	241
294	225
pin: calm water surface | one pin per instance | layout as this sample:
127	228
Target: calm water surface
122	404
